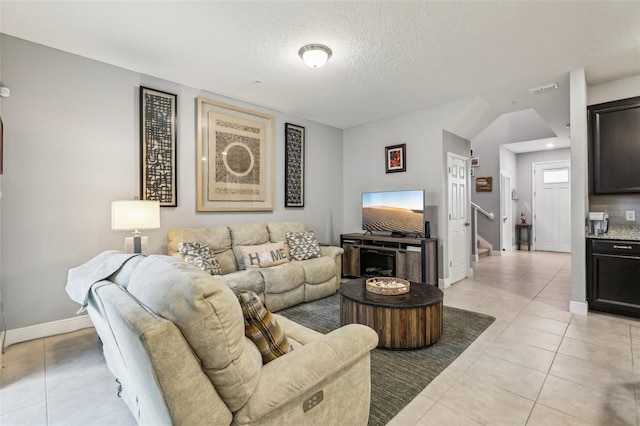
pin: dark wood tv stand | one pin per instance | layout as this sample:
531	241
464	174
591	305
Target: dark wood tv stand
414	259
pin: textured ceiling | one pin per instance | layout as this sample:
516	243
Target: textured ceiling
389	58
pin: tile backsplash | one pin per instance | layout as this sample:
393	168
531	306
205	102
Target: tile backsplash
616	206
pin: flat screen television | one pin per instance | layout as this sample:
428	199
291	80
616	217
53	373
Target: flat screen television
398	212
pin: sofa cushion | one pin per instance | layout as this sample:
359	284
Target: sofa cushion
264	255
248	234
262	328
250	279
209	316
319	270
218	238
282	278
278	230
303	245
200	254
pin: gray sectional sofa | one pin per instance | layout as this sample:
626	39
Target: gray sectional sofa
278	286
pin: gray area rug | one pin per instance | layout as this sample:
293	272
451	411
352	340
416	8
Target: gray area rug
398	376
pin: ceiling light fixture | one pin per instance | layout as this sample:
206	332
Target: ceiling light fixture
315	55
542	89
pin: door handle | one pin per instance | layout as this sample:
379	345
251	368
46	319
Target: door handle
467	224
504	219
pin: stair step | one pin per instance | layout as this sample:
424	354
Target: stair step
484	252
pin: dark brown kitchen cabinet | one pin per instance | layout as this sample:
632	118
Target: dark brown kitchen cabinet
614	147
613	276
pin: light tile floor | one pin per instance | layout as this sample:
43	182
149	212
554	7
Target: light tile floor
537	364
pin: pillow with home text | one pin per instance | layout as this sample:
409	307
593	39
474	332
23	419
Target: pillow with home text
264	255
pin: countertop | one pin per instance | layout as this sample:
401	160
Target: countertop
619	232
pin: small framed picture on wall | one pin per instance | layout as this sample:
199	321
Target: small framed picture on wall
395	158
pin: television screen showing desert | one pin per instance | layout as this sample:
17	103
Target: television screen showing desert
383	218
395	211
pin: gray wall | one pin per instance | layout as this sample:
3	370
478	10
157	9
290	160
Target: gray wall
579	201
72	147
454	143
525	168
364	167
2	321
486	147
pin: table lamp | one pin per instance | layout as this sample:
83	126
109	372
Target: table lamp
134	215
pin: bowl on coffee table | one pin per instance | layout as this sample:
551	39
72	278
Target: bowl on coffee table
390	286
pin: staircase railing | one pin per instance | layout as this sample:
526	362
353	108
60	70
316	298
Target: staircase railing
476	208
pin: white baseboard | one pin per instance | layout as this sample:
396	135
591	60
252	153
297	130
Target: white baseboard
579	308
446	282
47	329
443	283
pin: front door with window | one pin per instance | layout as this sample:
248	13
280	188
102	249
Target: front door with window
552	206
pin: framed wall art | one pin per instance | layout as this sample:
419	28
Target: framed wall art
475	162
395	158
234	169
158	139
294	165
484	184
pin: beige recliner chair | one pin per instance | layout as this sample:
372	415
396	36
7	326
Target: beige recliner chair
174	337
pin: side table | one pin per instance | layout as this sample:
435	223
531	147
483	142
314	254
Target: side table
519	228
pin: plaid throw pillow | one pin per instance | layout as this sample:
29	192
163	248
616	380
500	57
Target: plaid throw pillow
303	245
262	328
199	254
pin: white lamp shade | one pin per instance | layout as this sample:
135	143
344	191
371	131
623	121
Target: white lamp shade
132	215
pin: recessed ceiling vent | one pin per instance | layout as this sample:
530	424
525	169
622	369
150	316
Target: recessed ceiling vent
542	89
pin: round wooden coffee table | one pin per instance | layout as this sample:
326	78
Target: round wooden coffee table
407	321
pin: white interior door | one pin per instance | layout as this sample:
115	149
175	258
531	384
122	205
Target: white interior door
506	211
458	223
552	206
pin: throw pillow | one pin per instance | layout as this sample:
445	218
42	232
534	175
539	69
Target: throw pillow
264	255
262	328
303	245
200	254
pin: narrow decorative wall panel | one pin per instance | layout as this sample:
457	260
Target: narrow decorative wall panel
158	113
294	166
